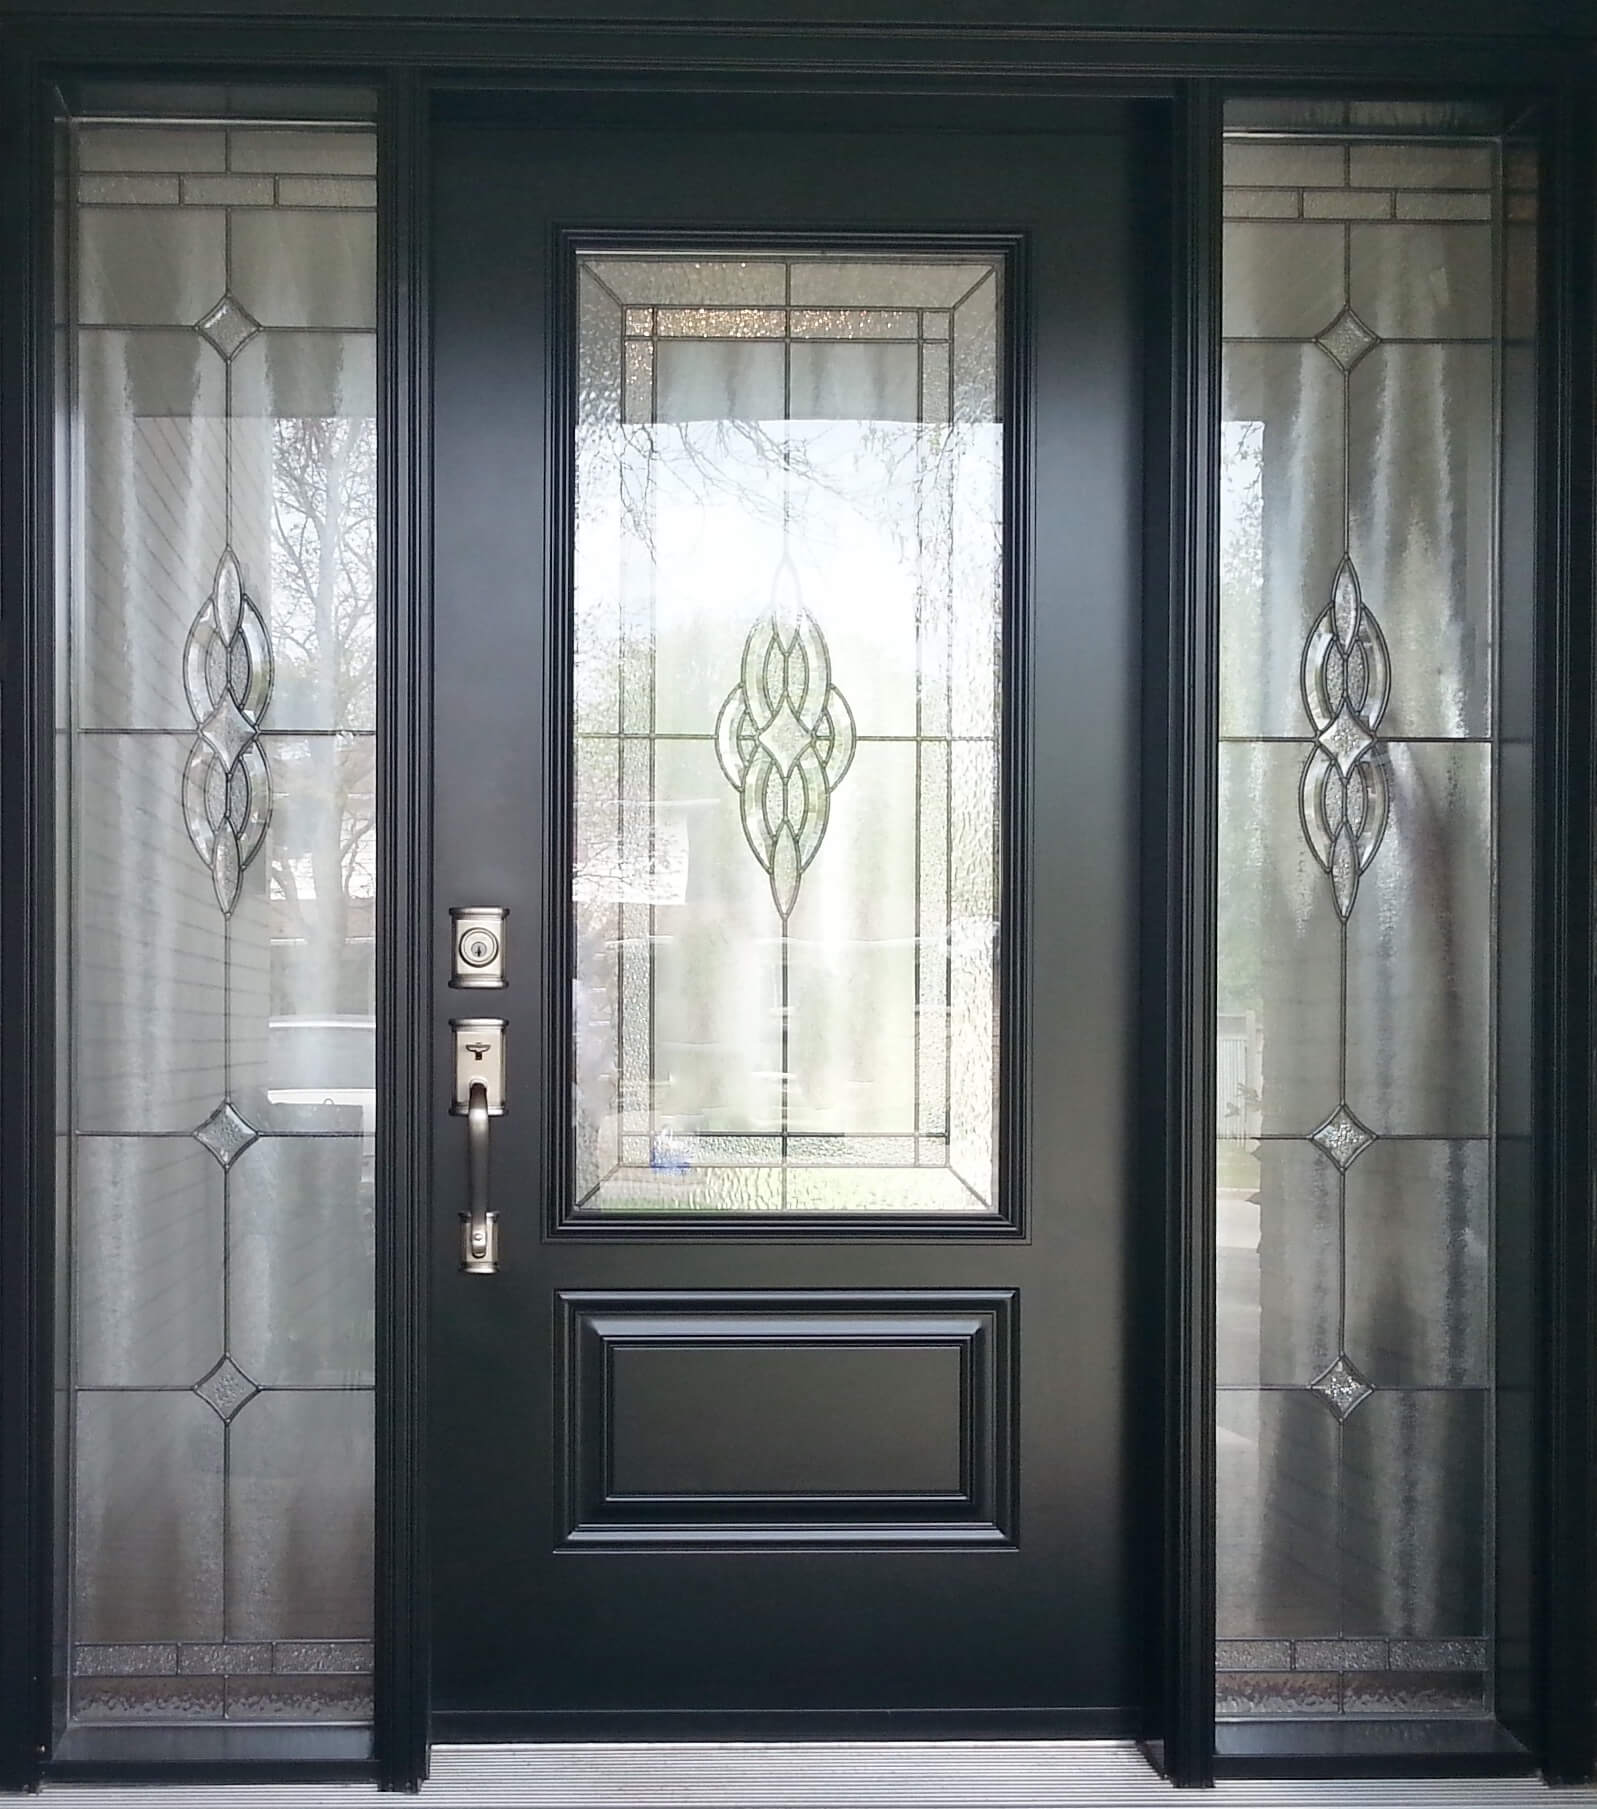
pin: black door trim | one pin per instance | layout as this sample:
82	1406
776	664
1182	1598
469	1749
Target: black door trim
1179	1080
406	942
1566	1591
413	62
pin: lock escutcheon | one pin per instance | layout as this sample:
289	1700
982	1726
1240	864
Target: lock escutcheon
478	939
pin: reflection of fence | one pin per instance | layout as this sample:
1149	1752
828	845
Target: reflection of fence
1237	1077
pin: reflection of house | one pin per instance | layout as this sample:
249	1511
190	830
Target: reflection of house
1238	1053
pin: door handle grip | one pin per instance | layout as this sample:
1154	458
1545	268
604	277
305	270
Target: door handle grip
479	1239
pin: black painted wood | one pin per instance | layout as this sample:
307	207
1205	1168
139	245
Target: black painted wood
1564	926
866	1419
406	943
932	48
1158	19
525	1626
1186	709
27	946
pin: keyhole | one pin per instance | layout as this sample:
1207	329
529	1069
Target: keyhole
478	947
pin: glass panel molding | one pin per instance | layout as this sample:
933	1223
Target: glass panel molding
1374	603
216	791
787	733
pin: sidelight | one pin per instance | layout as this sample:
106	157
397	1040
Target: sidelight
788	645
216	640
1374	770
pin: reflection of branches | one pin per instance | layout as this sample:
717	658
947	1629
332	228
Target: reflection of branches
1242	513
738	462
324	543
323	565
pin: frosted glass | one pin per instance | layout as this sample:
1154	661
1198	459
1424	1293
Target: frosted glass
788	639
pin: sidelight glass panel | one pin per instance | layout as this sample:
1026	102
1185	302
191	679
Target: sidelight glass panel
787	655
216	768
1373	909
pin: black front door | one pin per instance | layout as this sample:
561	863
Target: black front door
786	682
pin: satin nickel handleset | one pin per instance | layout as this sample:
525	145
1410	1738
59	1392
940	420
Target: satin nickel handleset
479	1091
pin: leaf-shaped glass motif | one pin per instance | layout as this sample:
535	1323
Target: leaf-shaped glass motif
1343	793
785	739
227	676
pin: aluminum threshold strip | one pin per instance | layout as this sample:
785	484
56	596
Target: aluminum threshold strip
975	1774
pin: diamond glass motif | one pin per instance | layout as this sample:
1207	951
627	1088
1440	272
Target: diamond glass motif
1343	1138
225	1389
1342	1387
228	327
228	730
225	1134
1347	339
1345	740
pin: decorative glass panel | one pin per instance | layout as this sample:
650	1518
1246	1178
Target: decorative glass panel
788	645
218	883
1375	628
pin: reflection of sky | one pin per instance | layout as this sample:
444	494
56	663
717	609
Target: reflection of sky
681	528
1242	514
888	534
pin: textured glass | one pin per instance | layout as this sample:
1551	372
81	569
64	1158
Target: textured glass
1279	942
787	649
1278	1570
1376	623
1419	959
1414	1513
1277	1265
147	1521
153	410
299	1275
299	1538
1280	516
149	1005
1282	281
149	1261
216	715
1421	524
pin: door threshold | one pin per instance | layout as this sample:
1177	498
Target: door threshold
787	1774
588	1727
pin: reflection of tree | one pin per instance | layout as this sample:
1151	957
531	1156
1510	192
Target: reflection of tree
324	566
1243	812
324	572
926	497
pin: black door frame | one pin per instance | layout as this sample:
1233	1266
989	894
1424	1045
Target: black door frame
934	50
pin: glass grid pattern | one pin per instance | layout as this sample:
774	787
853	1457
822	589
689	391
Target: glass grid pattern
1361	762
788	640
215	718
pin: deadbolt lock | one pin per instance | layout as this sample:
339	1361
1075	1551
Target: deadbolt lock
479	945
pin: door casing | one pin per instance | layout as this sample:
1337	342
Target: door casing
1415	51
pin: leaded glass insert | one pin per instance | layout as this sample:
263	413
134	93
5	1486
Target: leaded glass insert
216	887
787	650
1372	1170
